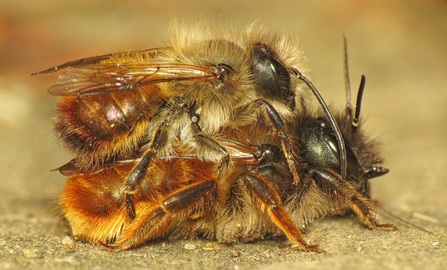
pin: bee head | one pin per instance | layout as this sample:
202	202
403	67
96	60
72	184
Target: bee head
320	150
271	76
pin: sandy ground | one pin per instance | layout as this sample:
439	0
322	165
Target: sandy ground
399	45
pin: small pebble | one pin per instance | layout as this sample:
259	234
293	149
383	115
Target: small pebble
189	246
68	242
217	248
209	244
29	253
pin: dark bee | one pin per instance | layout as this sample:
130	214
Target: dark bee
137	104
258	197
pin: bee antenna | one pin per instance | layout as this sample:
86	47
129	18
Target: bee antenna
347	80
358	104
338	135
355	120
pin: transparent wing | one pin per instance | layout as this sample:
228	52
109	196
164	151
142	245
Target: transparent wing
122	71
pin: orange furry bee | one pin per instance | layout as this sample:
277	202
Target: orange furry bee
258	197
138	104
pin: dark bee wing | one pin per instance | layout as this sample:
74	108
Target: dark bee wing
240	153
122	71
72	168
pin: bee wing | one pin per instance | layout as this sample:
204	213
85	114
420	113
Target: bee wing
239	152
72	168
122	71
111	57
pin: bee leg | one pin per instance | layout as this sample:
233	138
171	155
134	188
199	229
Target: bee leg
332	183
269	198
210	143
134	180
278	124
282	133
138	173
154	222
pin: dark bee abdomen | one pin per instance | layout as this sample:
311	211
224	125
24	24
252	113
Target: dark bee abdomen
103	125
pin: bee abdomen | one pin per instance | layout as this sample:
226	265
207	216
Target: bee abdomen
104	124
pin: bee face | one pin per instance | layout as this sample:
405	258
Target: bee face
320	150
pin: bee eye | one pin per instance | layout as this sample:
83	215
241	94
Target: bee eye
321	150
271	77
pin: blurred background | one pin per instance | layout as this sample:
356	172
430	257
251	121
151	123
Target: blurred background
400	45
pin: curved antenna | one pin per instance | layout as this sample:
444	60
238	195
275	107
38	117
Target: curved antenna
358	104
347	80
338	135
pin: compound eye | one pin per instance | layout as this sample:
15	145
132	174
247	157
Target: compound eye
271	77
320	148
354	168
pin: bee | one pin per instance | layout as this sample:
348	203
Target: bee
185	196
136	105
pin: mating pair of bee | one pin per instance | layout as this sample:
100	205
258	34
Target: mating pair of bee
212	135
